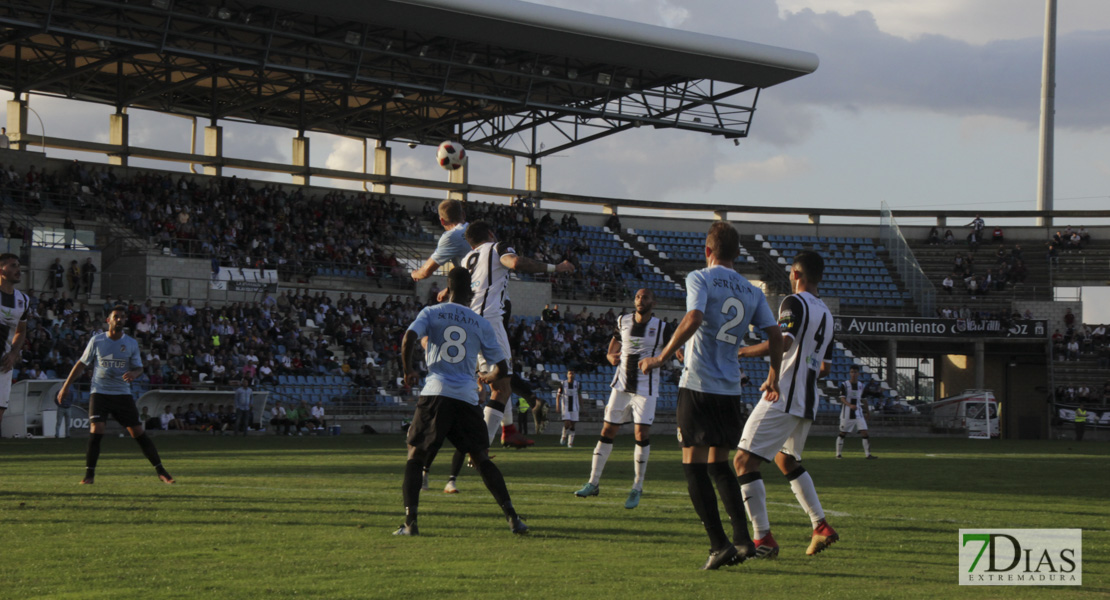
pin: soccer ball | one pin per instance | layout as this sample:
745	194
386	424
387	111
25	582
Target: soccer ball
451	155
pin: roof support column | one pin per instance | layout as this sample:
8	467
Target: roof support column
459	175
300	159
118	137
214	148
720	215
980	364
532	177
892	363
383	165
17	123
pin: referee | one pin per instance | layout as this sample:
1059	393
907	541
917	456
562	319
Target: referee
116	362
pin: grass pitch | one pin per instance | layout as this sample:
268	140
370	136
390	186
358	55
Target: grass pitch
312	517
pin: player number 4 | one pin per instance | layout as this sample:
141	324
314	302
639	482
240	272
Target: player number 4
730	306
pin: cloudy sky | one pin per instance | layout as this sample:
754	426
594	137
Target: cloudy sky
920	104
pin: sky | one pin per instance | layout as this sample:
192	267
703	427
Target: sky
919	104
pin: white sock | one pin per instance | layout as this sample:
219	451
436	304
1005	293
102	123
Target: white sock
640	455
493	421
563	437
755	503
508	418
839	445
807	497
866	447
570	438
601	456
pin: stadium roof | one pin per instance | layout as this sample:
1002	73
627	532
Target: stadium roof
501	75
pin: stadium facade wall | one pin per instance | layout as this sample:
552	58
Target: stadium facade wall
40	260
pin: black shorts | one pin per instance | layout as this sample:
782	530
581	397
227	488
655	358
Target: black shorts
439	418
119	406
706	419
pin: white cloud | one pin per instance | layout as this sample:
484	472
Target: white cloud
775	168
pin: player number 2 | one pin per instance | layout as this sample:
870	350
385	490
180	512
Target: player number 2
731	305
453	350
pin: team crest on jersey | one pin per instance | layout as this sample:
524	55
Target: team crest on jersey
123	347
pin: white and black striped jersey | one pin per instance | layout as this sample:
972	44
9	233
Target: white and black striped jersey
852	394
489	279
638	340
570	395
806	319
13	311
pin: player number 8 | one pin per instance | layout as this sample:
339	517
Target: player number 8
453	350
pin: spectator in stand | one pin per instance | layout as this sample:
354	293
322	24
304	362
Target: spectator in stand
949	237
243	403
73	278
1069	319
169	421
996	235
976	225
318	415
56	276
88	275
1058	344
1073	349
280	418
948	283
934	237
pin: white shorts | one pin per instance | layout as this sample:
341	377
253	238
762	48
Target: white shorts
5	389
623	405
770	431
503	342
571	415
853	425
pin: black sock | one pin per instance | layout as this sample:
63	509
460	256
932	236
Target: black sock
457	461
92	453
704	499
410	489
149	451
495	483
729	489
430	459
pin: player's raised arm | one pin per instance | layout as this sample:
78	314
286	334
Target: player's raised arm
499	371
685	331
522	264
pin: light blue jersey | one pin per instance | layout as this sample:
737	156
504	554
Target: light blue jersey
452	246
455	336
110	359
729	304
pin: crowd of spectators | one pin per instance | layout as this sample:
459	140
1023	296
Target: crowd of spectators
1079	341
1067	240
1008	270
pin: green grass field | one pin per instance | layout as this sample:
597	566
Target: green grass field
312	517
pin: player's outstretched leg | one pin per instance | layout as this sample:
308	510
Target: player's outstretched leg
410	492
729	489
597	466
92	455
755	503
802	485
867	447
151	454
639	467
456	468
495	483
704	499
